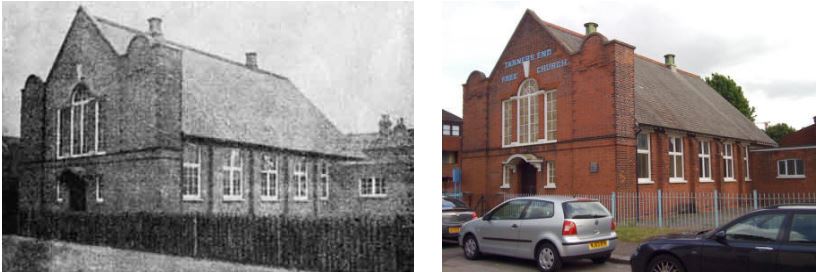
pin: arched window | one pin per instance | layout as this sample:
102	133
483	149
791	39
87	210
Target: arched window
528	102
78	131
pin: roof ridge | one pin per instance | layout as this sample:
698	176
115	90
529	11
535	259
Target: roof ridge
663	64
186	47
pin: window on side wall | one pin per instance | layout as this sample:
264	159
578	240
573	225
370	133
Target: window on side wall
269	178
372	187
324	180
728	162
676	159
446	129
704	159
58	188
233	175
99	189
745	162
455	130
301	180
192	172
644	173
790	168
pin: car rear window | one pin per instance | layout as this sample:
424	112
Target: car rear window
584	209
452	203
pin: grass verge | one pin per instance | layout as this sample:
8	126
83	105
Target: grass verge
639	234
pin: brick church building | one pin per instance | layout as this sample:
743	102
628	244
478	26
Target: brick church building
127	120
568	113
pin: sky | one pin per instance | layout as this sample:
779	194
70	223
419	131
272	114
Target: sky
766	48
354	61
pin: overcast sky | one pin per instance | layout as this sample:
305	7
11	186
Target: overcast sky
766	48
353	60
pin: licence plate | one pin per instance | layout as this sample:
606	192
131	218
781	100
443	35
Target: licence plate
454	229
599	244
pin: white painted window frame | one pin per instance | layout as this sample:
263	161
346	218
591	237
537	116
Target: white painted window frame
372	193
230	169
59	191
675	154
539	120
456	130
98	191
301	181
786	175
507	122
272	175
446	129
746	163
551	178
71	152
648	152
706	158
728	160
324	175
197	166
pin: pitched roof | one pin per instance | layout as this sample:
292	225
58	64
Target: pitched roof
223	99
450	117
674	98
805	136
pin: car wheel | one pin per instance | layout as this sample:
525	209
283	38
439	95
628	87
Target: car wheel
665	263
471	247
547	258
600	260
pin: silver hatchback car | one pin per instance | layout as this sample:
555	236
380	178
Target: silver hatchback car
548	229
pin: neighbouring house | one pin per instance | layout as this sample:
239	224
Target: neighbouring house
789	168
128	120
451	146
563	112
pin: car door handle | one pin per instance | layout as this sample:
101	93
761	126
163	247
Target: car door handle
514	226
764	248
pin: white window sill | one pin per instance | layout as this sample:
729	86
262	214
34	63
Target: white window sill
517	144
59	200
791	177
193	198
706	180
549	186
677	180
729	180
81	155
748	179
324	198
232	198
269	198
374	196
504	186
300	199
645	181
99	200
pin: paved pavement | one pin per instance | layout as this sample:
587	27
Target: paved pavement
453	259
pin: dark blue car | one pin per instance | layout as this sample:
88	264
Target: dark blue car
780	238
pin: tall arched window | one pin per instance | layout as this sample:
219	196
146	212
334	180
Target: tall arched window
78	131
527	103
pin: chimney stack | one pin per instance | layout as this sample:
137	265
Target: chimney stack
385	125
252	60
155	27
591	28
814	119
670	61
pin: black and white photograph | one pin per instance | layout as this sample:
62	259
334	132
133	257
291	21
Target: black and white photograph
208	136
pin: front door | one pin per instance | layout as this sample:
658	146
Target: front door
76	191
527	176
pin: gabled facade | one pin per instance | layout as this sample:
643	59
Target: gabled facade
128	120
569	113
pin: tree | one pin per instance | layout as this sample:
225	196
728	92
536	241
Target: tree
777	131
732	93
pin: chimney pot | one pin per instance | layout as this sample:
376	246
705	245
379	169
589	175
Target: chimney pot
591	27
670	60
155	26
252	60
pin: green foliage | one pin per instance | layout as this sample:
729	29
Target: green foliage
732	92
777	131
640	234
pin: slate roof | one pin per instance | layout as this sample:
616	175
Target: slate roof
674	99
450	117
223	99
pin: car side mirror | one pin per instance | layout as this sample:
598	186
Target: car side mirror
720	236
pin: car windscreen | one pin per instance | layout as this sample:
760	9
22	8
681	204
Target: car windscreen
452	203
584	209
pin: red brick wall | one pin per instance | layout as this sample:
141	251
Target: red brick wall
764	171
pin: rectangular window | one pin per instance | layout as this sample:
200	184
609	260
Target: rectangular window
746	166
551	115
524	121
76	130
704	159
676	159
301	181
58	188
192	172
728	162
324	180
507	121
99	189
64	131
233	175
455	130
644	163
446	130
269	178
550	174
791	168
372	187
89	127
533	118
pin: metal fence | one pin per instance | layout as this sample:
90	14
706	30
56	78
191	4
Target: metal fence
684	210
343	243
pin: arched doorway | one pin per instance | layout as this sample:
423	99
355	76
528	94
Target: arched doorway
77	189
526	167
